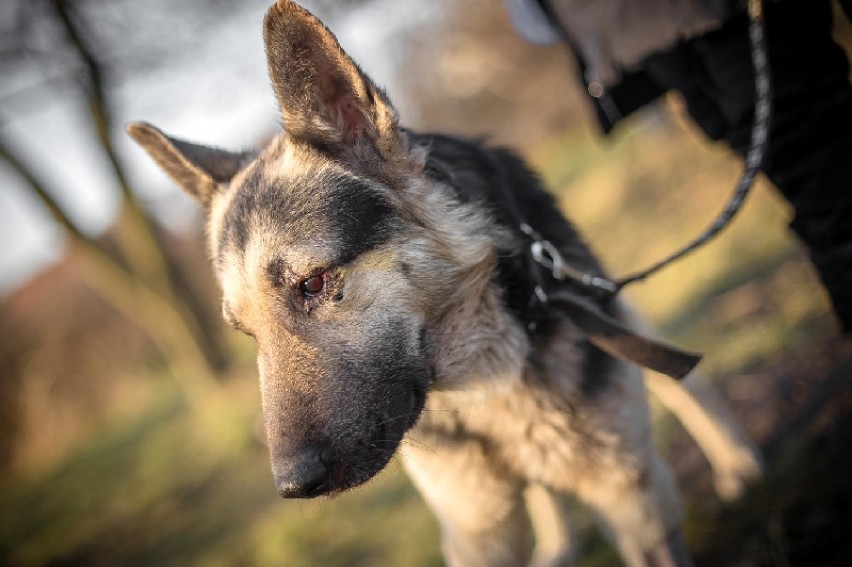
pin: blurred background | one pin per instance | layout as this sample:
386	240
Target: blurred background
129	431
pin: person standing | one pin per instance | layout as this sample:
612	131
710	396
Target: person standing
630	52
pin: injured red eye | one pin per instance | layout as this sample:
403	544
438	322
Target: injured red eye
312	286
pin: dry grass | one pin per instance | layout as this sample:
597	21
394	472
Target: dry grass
176	488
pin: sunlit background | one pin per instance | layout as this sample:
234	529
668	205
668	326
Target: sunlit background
129	413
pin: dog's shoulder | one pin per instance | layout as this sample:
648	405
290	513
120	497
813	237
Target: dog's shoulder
499	179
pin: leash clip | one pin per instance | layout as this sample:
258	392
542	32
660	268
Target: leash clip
546	254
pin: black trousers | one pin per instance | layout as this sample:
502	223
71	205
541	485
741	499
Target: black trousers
810	152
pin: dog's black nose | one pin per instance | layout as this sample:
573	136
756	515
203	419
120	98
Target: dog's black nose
304	475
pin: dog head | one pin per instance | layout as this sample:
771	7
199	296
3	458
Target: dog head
337	254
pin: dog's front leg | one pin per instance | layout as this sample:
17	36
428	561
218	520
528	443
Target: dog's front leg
481	509
638	505
670	553
554	530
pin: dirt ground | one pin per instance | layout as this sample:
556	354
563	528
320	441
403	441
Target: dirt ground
799	409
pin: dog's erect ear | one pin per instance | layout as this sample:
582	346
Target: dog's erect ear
199	170
325	98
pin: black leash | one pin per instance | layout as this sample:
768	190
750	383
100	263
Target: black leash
547	255
604	331
590	315
756	151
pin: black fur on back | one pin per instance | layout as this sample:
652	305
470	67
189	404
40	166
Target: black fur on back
499	180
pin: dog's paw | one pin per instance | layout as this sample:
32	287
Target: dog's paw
732	482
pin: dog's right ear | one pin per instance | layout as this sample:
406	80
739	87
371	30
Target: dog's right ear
324	96
201	171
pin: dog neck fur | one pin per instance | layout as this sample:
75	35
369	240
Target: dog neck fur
479	341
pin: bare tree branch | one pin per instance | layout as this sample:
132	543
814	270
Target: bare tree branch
161	320
46	198
137	234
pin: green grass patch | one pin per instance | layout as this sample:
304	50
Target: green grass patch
181	487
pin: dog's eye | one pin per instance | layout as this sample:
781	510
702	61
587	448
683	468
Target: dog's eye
312	286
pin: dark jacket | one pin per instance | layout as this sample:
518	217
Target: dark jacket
808	155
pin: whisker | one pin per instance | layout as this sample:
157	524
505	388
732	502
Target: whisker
419	444
406	457
449	410
400	416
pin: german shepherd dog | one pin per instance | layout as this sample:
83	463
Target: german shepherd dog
386	286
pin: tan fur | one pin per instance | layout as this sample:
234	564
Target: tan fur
344	372
546	437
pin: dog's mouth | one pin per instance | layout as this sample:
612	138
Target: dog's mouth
385	440
417	403
320	470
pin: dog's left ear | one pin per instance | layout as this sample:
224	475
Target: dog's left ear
326	100
200	170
